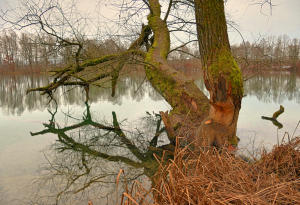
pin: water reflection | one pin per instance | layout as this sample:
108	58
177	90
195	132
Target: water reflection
88	154
274	88
14	101
270	88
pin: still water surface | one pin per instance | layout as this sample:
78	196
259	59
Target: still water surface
28	163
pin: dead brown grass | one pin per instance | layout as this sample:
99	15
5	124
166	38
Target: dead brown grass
210	177
25	70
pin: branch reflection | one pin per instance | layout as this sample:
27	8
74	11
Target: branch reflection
88	155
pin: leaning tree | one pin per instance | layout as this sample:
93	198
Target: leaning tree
193	116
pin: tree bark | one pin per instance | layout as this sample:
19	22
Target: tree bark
222	75
189	104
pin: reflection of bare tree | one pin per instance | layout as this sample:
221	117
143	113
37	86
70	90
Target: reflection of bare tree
13	98
13	91
89	154
274	87
268	88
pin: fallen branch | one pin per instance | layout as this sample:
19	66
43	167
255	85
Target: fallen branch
273	119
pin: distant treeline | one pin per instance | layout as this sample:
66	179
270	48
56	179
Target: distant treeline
28	50
25	50
269	53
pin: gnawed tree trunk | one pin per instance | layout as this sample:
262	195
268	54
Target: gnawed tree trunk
189	116
222	75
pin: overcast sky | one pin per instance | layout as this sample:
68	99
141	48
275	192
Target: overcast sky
252	21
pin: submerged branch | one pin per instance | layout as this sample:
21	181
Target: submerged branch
273	119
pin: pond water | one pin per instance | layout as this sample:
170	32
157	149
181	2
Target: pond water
35	168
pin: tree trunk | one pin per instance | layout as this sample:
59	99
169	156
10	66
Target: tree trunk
212	122
222	75
189	104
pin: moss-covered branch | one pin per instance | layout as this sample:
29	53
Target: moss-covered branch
63	76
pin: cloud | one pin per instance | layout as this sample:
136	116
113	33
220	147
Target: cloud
254	21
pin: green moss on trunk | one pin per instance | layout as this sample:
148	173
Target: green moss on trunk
226	66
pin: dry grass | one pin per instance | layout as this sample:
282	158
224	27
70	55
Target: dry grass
25	70
210	177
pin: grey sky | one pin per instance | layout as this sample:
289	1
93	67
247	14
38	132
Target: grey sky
251	20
